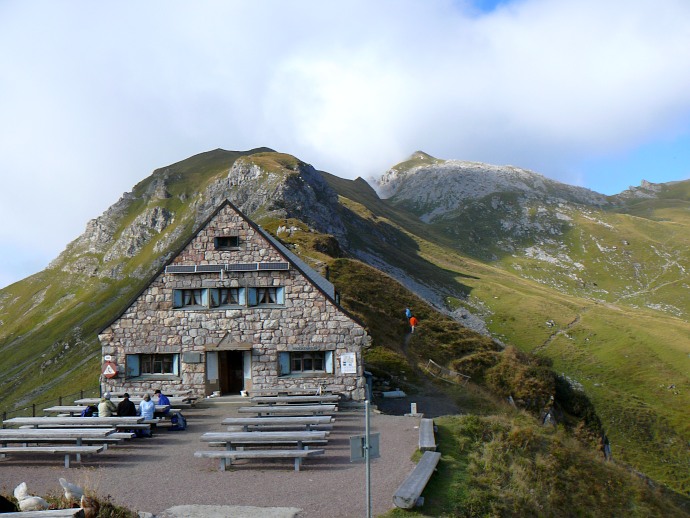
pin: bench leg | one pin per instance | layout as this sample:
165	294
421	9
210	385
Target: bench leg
222	464
298	463
67	460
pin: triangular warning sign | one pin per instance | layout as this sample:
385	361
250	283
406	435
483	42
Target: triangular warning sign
108	370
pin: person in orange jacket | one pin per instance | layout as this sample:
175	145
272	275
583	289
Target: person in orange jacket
413	323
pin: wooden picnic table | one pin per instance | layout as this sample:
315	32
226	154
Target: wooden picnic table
135	393
278	421
286	392
26	434
235	439
77	409
260	410
297	399
74	422
174	400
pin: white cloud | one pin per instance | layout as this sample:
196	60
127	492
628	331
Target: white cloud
94	96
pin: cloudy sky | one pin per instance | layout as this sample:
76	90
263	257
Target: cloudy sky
95	95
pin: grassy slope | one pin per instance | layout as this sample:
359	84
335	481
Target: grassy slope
48	341
501	464
624	357
505	465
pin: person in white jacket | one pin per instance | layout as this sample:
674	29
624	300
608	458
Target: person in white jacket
147	407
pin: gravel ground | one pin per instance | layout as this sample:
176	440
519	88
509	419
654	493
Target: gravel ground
155	474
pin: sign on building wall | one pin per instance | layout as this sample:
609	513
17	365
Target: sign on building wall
348	363
109	369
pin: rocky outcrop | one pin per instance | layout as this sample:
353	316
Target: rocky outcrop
135	236
435	188
297	191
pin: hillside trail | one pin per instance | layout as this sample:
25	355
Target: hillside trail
650	287
430	401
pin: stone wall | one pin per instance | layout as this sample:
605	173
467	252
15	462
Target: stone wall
308	320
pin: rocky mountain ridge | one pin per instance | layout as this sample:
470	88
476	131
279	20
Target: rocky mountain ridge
434	187
298	191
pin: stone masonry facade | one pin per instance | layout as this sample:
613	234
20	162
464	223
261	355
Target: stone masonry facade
308	319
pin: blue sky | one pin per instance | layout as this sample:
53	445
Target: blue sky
96	95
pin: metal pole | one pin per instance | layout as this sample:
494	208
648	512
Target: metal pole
366	456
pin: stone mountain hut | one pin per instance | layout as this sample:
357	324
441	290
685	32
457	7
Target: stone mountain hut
235	311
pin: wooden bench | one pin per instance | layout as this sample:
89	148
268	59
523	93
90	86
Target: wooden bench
51	450
427	441
297	399
230	455
280	422
260	410
277	391
76	410
113	438
76	512
407	495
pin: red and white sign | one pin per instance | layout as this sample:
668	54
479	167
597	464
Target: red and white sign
109	369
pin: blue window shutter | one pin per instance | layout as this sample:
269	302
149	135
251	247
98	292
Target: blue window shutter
132	368
329	362
215	298
280	295
252	296
177	298
284	363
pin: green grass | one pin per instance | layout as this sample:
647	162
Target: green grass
506	465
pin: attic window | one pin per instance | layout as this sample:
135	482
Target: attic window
226	242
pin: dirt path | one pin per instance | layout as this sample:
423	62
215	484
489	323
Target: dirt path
155	474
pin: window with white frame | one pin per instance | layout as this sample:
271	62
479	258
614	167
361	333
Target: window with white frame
190	298
300	363
152	364
227	297
264	296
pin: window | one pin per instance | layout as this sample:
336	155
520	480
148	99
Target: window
305	362
204	298
190	298
152	364
227	297
226	242
265	296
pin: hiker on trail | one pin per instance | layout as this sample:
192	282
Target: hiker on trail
413	323
408	314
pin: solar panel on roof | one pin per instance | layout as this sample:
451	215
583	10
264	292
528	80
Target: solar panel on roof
241	267
180	269
274	266
210	268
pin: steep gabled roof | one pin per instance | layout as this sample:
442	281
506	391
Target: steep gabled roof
317	280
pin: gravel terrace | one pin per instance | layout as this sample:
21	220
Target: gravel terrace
155	474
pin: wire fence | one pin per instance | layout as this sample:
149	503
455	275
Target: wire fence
437	371
37	408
